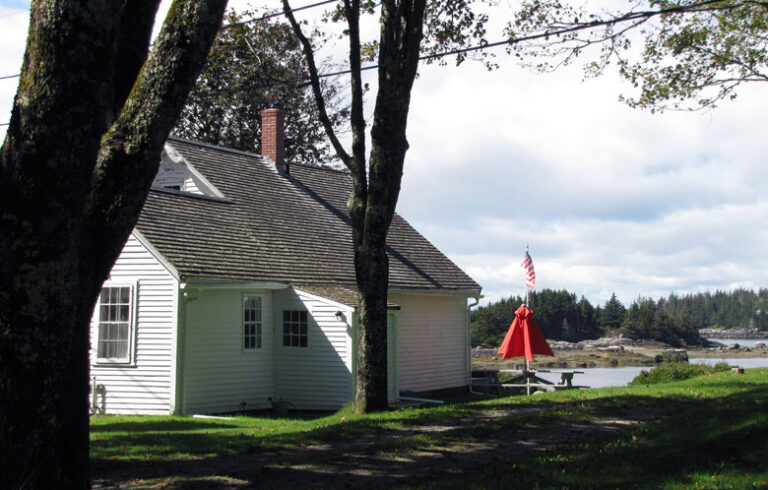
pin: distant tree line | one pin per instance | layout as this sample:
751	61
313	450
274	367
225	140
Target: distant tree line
675	319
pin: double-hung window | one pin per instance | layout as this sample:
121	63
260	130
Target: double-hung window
294	328
251	322
115	324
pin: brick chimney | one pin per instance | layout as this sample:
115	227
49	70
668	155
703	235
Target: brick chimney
272	133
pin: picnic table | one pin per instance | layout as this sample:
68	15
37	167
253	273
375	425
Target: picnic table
488	379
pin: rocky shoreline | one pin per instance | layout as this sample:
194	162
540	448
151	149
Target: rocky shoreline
734	334
614	351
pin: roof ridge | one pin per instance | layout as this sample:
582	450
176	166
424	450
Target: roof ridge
256	155
344	171
216	147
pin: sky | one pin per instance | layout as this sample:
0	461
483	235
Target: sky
609	199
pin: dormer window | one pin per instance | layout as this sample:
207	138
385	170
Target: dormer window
176	174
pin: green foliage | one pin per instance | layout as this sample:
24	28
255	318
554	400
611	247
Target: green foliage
612	314
695	53
557	313
251	67
675	320
701	55
668	372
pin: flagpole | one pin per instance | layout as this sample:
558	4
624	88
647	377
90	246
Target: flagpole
527	296
527	289
527	365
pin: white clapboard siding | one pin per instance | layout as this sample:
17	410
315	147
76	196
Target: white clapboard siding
316	377
218	373
144	386
393	382
431	341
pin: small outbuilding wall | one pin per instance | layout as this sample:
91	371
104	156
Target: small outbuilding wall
431	341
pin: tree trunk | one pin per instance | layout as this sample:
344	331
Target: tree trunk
70	193
376	188
372	268
400	39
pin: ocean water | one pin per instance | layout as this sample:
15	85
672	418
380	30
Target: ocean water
741	342
604	377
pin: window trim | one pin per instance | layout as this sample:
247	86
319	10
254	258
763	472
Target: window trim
130	359
260	324
298	335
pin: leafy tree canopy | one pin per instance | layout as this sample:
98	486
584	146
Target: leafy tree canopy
694	53
255	65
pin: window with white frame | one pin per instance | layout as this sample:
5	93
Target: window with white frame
251	322
294	328
115	324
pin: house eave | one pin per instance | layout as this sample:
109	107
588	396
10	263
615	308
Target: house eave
214	283
156	254
470	293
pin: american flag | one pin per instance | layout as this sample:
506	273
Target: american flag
530	274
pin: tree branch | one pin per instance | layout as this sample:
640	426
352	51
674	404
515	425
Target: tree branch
134	35
130	151
357	118
401	35
316	89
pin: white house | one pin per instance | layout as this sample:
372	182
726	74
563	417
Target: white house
237	285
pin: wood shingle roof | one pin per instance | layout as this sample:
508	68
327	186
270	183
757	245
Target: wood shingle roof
278	228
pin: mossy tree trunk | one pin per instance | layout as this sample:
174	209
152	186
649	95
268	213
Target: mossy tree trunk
89	121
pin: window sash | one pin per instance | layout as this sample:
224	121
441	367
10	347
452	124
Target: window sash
295	332
115	321
252	324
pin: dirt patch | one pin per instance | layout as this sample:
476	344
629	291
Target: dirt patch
356	464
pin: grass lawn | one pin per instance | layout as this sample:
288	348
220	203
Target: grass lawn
705	432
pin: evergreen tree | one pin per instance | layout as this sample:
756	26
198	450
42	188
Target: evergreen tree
612	315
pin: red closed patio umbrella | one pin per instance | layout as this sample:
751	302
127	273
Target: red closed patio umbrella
524	338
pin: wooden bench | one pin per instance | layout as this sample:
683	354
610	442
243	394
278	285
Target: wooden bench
566	378
535	382
488	380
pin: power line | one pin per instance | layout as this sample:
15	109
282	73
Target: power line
478	47
228	26
14	13
278	14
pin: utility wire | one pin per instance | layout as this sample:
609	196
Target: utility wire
277	14
228	26
478	47
14	13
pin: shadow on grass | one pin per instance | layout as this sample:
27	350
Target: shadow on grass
715	443
369	452
390	448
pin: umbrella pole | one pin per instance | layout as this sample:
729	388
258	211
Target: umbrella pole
527	379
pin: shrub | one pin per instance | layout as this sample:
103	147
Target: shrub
676	371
